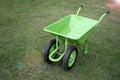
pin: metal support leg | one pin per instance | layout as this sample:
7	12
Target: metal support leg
57	41
86	47
66	43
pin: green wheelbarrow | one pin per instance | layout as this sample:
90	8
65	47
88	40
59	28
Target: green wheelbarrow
70	32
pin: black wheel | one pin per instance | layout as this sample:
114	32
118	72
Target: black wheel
48	49
70	58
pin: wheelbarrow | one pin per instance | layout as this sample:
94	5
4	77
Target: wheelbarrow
70	32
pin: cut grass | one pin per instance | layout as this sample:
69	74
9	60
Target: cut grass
22	41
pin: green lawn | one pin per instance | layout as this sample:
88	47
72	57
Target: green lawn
22	41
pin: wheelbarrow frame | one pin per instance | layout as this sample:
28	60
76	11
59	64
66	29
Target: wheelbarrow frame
77	42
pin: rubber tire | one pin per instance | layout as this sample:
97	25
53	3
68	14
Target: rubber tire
67	56
47	49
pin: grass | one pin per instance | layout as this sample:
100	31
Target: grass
22	41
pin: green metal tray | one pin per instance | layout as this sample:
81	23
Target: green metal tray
71	26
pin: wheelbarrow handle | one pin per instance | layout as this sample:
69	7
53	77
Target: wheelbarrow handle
81	6
103	16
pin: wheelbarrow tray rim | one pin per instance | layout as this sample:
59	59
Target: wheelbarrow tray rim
71	26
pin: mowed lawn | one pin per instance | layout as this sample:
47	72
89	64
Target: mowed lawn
22	41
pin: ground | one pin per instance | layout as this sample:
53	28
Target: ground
22	41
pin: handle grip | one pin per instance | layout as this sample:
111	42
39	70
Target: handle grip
107	12
81	6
